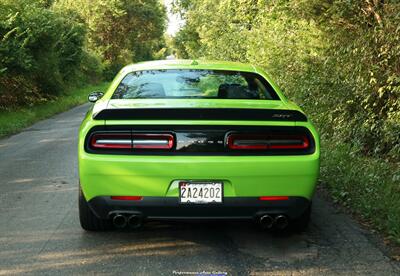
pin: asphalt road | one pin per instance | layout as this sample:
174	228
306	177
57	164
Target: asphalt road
40	232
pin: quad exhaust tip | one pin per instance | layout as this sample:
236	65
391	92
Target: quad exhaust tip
120	221
135	221
281	222
266	221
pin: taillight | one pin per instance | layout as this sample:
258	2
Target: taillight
153	141
129	141
111	141
267	141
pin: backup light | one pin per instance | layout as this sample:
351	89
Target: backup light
153	141
111	141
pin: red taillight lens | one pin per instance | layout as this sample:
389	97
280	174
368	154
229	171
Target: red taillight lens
111	141
153	141
134	198
131	141
267	141
273	198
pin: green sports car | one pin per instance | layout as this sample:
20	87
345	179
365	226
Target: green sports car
183	139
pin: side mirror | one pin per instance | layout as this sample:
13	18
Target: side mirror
95	96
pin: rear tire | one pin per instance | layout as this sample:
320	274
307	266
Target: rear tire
301	223
89	221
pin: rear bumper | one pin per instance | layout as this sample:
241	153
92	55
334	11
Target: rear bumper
155	208
156	176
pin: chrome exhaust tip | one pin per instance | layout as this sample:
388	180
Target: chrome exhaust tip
120	221
281	222
135	221
266	221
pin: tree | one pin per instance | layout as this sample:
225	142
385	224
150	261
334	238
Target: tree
340	59
121	31
40	51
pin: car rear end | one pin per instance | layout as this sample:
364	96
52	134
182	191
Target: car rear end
163	158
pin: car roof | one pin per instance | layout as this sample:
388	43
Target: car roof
190	64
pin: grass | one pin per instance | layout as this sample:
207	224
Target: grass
370	187
14	121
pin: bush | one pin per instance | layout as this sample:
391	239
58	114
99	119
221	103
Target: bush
340	60
41	52
366	185
92	67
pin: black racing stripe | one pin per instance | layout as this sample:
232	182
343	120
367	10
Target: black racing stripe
232	114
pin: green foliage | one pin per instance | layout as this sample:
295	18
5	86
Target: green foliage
17	119
40	51
340	60
47	46
368	185
120	31
186	43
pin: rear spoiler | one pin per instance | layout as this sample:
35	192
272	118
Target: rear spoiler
221	114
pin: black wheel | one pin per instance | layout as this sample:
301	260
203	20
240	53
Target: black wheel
301	223
89	221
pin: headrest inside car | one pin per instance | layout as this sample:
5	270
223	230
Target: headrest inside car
235	91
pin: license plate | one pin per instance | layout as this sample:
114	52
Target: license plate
201	192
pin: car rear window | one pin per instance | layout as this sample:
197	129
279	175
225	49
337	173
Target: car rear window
208	84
